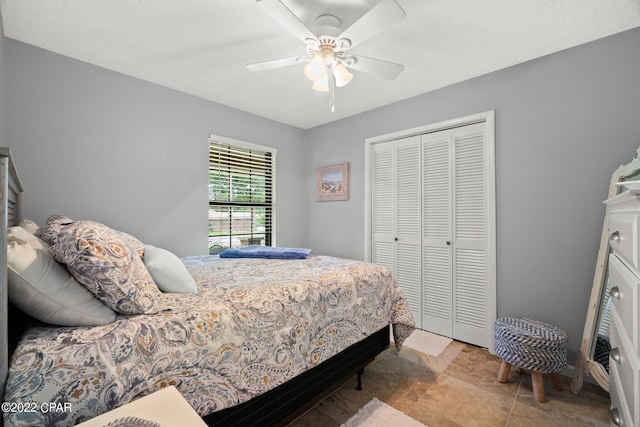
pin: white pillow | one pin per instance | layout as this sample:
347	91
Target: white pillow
44	289
22	234
169	273
31	227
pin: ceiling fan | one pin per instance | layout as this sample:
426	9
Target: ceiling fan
328	59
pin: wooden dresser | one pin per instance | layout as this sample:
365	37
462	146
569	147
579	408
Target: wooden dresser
624	285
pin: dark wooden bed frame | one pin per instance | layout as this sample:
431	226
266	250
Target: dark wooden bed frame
276	407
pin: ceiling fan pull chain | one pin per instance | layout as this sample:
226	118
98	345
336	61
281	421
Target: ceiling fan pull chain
332	88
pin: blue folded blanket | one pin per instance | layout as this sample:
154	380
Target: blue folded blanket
271	252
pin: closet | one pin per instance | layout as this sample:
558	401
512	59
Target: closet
431	221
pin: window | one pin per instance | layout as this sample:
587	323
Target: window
241	205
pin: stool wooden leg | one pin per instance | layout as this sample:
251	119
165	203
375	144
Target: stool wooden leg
503	374
538	386
555	381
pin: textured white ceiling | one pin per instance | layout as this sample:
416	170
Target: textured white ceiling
202	47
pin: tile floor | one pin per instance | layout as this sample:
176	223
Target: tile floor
459	388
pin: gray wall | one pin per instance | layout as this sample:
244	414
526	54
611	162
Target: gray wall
94	144
564	122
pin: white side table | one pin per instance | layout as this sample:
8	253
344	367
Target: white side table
166	407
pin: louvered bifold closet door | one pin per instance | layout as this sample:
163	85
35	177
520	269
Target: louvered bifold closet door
470	241
433	225
382	204
437	303
408	268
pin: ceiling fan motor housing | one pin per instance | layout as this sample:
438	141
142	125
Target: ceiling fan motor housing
327	29
326	25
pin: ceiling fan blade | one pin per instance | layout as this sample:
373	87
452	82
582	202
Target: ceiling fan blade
277	63
382	16
377	67
281	13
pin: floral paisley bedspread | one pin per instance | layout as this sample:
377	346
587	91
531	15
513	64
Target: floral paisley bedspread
254	324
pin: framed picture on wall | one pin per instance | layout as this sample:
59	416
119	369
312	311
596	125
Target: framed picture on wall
332	182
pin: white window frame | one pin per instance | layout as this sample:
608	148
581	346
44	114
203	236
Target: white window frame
258	147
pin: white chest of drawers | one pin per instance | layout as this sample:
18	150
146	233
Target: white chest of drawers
624	284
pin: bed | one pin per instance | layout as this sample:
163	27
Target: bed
259	342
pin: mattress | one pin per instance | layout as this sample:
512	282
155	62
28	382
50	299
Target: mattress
253	325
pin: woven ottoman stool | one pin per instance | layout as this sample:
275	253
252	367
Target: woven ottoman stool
531	345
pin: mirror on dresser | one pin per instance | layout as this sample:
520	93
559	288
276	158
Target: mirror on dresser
593	355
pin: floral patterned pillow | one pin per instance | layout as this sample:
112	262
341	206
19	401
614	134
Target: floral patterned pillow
55	223
52	227
133	242
100	259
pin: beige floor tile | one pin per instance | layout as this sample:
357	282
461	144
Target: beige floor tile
479	367
315	418
340	406
523	415
459	388
589	407
432	419
395	374
463	403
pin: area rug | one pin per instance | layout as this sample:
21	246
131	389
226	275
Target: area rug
379	414
427	342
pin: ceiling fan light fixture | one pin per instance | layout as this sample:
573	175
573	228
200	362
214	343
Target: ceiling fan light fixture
322	85
342	75
328	56
315	69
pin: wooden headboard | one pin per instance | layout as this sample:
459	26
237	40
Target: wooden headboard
10	189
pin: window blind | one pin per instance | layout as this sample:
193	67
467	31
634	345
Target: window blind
240	196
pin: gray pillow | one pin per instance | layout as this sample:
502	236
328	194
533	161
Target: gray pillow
169	273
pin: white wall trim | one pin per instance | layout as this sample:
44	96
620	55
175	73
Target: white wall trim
273	151
485	116
244	144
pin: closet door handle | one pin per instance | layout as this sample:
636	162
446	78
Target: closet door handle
615	354
615	416
395	238
448	243
614	292
615	236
